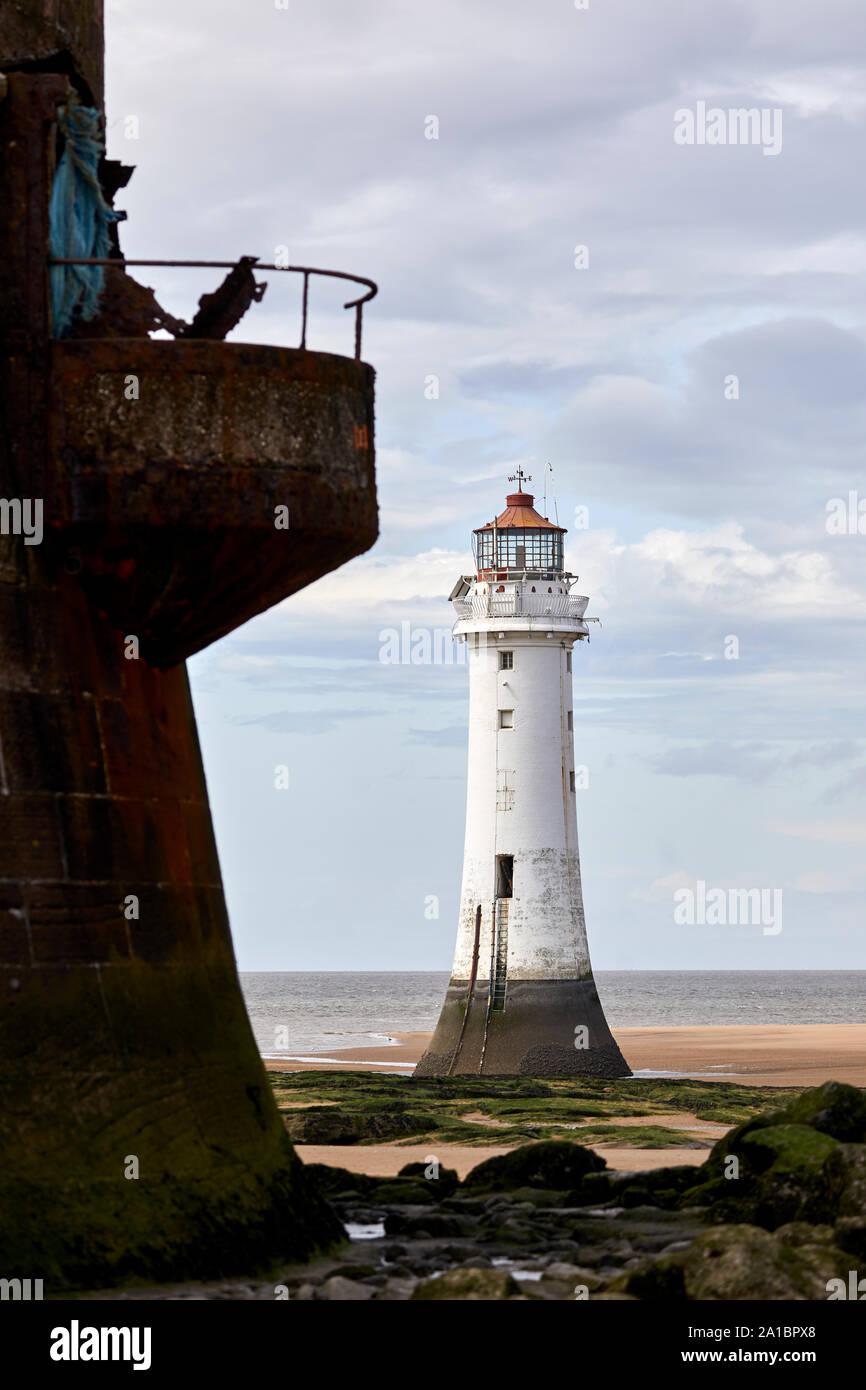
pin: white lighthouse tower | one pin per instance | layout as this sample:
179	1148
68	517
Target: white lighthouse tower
521	999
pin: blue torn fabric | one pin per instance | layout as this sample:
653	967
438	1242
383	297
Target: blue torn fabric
79	218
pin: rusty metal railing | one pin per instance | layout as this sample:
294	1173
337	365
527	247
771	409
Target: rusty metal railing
121	263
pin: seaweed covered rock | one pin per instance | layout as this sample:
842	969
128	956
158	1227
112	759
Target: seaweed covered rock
445	1181
425	1224
331	1182
735	1263
323	1125
845	1175
767	1173
339	1289
791	1163
834	1108
472	1285
344	1188
805	1233
850	1234
555	1163
327	1124
657	1187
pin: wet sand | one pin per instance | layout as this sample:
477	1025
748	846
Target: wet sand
795	1055
762	1055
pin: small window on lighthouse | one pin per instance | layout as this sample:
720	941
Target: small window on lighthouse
570	718
568	661
506	719
506	661
571	780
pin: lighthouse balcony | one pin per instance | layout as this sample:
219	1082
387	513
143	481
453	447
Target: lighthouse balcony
522	601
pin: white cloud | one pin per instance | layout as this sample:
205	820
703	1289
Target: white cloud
719	570
840	255
379	590
663	889
815	91
835	832
673	573
819	881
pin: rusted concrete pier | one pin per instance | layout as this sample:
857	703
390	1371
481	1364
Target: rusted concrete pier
123	1034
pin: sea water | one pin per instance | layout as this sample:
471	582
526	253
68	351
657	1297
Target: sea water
300	1013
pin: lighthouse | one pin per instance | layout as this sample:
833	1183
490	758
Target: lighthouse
521	999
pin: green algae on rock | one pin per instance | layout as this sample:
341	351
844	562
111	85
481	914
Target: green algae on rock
553	1164
733	1263
834	1108
470	1285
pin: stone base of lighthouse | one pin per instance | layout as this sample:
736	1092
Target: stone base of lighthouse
548	1028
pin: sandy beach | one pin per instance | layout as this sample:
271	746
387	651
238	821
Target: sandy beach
758	1055
762	1055
386	1160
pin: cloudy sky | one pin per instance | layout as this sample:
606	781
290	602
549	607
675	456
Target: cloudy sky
694	375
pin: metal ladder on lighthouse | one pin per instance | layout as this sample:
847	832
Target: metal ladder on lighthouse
500	955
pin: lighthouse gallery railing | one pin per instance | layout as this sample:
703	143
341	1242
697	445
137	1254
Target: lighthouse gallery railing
522	605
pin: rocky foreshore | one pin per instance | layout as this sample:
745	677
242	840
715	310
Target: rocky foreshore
777	1211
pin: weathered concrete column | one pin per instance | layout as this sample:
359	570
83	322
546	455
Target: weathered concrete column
124	1043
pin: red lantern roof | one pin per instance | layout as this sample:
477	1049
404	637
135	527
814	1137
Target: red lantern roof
520	512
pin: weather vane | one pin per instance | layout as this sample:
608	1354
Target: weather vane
520	478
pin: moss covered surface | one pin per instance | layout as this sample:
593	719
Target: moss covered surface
139	1136
334	1108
